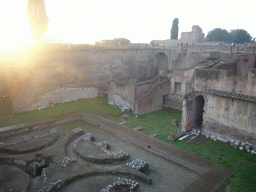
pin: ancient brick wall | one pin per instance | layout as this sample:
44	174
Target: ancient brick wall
229	104
143	87
63	75
212	48
153	99
193	37
245	62
122	93
141	97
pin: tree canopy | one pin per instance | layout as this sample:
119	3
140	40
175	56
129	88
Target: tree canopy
38	19
241	36
235	36
175	29
219	34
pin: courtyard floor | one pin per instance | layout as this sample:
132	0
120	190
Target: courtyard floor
242	163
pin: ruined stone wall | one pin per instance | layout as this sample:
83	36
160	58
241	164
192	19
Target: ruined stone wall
230	118
121	94
143	87
228	114
182	77
217	79
58	76
128	94
185	59
153	100
193	37
213	48
250	48
245	62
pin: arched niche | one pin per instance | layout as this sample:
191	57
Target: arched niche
161	60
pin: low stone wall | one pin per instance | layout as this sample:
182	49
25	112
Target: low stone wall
213	48
224	132
27	127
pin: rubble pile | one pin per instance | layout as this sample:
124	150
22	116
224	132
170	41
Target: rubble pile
139	165
234	143
43	175
104	146
66	161
85	137
122	183
77	130
139	128
51	186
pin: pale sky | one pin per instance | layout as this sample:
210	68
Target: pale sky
140	21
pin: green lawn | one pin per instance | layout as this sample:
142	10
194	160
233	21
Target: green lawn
243	163
97	105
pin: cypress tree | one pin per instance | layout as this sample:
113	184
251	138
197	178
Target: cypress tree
38	19
175	29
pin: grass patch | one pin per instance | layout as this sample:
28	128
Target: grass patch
157	122
242	162
97	105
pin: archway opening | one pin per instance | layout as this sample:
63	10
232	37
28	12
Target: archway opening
199	110
162	60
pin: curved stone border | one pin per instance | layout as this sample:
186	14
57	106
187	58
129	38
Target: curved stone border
63	182
122	182
77	132
14	151
113	156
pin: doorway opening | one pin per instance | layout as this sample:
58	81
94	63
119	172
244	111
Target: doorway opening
198	114
165	100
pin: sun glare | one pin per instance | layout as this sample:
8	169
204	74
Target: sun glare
15	33
90	21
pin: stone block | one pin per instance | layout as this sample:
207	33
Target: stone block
248	147
155	135
212	137
175	122
222	139
174	136
232	142
241	148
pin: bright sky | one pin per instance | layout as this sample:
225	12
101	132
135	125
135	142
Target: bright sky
140	21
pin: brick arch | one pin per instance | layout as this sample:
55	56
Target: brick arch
193	111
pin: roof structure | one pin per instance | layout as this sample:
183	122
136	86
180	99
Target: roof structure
231	95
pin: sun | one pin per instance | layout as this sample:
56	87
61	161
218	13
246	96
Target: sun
15	31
